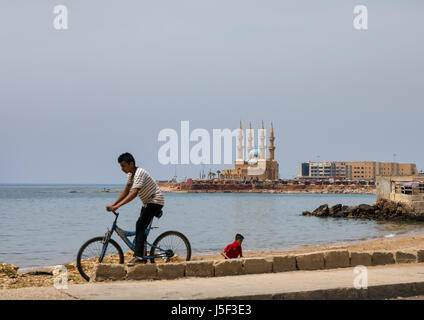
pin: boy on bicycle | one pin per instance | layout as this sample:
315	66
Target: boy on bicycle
139	182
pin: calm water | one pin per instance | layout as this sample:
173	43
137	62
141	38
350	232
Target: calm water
46	225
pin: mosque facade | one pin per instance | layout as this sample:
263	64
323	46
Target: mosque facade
257	166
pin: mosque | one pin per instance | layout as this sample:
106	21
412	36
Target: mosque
256	166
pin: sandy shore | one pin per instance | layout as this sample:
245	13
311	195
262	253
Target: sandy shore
404	242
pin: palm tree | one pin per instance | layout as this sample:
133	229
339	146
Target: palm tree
219	174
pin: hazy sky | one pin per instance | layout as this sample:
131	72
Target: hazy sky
72	100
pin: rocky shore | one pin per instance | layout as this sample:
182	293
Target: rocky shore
381	210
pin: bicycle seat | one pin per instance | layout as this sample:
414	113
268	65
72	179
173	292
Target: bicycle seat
159	214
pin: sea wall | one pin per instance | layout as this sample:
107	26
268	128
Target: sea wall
291	262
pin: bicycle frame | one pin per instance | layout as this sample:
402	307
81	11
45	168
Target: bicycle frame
124	235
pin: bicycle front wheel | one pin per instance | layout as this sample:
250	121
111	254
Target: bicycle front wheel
173	245
90	252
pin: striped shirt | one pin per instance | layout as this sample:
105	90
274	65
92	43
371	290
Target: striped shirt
149	191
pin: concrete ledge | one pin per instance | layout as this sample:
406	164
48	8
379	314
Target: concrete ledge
405	257
284	263
142	272
199	269
420	255
310	261
171	270
304	261
257	265
382	257
106	271
228	267
360	259
336	259
378	292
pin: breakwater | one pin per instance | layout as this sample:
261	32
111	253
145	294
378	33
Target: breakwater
381	210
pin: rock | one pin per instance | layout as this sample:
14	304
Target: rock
107	271
420	256
199	269
284	263
382	257
8	269
142	272
336	259
360	259
366	208
310	261
321	211
381	210
228	267
257	265
170	270
335	209
405	257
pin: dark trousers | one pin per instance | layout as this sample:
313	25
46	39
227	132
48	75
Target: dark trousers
146	215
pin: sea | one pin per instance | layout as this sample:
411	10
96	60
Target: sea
45	225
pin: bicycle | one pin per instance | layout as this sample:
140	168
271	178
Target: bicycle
163	248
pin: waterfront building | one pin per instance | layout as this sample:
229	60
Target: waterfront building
402	189
354	170
256	165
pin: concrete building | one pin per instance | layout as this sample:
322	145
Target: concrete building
323	170
404	189
354	170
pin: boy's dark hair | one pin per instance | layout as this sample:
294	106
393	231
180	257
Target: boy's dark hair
127	157
239	236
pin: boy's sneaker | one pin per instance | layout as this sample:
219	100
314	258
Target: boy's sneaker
136	260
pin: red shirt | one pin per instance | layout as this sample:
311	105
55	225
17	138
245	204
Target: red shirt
233	250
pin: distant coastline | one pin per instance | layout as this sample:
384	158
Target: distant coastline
299	188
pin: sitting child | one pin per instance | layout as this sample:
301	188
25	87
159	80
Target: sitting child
233	250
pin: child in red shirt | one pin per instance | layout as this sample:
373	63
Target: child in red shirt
233	250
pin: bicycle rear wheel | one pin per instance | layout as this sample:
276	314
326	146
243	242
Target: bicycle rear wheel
174	243
90	252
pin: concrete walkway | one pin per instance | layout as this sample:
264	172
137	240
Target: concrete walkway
389	281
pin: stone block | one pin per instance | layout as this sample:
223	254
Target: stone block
382	257
199	269
360	259
171	270
336	259
310	261
420	255
257	265
107	271
142	272
405	257
284	263
228	267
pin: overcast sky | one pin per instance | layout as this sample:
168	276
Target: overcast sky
72	100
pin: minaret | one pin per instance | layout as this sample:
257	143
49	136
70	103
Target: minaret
262	142
249	141
271	143
240	146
